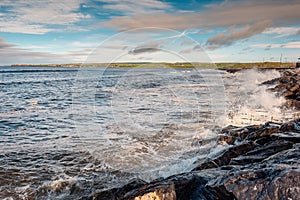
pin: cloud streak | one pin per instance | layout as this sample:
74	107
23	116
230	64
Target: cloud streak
145	48
231	36
4	44
10	54
289	45
283	31
133	7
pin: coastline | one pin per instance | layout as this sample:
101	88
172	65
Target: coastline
262	161
223	66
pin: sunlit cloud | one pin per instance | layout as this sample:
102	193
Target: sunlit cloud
289	45
283	31
132	7
231	36
39	17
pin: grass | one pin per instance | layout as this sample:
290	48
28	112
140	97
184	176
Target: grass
169	65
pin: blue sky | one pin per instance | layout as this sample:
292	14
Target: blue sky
79	31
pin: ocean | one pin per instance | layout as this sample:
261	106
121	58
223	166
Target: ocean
68	132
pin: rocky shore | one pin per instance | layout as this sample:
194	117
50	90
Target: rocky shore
261	162
288	86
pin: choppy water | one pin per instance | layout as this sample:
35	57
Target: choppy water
65	133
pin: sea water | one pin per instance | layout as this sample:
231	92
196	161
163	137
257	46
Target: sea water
67	132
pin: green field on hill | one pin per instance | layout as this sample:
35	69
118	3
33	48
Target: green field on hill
171	65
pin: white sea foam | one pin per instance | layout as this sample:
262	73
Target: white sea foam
152	128
252	103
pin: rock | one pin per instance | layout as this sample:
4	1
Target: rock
262	132
261	162
285	80
206	164
271	82
228	139
281	87
288	136
262	152
292	104
265	164
297	96
118	193
288	73
277	177
290	126
294	88
225	157
288	94
259	183
288	86
161	192
240	133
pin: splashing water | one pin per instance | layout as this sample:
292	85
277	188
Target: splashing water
64	135
252	103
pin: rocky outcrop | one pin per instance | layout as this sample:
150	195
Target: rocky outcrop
288	86
261	162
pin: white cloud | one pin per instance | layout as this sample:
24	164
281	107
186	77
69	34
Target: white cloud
283	31
233	35
131	7
234	14
4	44
34	17
19	27
289	45
11	54
82	44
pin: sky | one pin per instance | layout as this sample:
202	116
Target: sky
85	31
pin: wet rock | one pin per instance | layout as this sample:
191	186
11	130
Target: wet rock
259	183
228	128
267	167
288	73
118	193
285	80
227	139
225	157
240	133
262	132
290	126
205	164
288	136
275	177
260	162
192	185
288	86
297	96
288	94
292	104
262	152
281	87
294	88
156	192
271	82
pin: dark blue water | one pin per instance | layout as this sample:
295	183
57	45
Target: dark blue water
67	132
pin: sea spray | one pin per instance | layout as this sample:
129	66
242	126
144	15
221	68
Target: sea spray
252	103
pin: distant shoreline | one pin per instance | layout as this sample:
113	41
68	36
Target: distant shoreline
265	65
